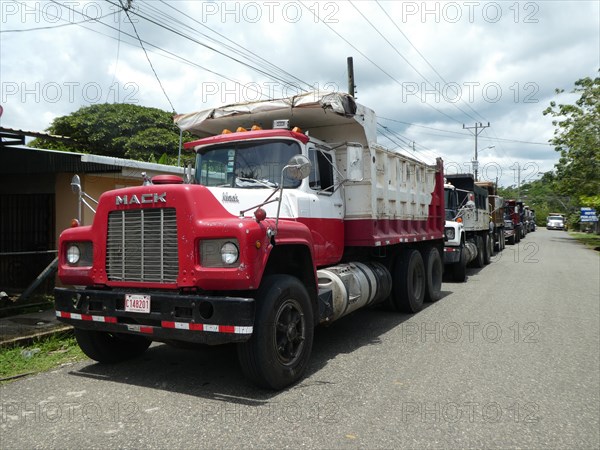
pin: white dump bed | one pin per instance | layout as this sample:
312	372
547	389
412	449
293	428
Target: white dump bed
394	186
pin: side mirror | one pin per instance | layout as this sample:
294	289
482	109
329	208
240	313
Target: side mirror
76	184
297	168
354	161
188	173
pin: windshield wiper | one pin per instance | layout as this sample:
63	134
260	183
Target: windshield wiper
252	182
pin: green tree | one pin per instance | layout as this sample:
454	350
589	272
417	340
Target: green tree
577	139
121	130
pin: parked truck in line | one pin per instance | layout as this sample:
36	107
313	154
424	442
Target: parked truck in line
294	217
512	222
467	226
523	219
496	211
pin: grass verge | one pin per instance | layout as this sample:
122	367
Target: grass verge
589	239
40	356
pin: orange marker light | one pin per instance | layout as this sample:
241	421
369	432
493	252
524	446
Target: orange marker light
226	131
74	223
240	129
296	130
256	128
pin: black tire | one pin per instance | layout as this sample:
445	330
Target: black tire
109	348
479	260
278	351
487	249
459	269
434	270
409	282
517	235
511	240
502	240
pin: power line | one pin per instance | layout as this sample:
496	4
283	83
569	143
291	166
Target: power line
370	60
463	134
50	27
403	57
422	56
196	41
236	47
146	53
166	53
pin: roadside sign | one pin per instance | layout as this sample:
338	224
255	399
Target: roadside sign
588	215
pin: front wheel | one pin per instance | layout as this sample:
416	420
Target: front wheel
459	269
434	268
278	351
479	259
110	347
488	246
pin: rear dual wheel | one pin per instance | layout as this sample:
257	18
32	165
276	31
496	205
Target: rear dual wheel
409	281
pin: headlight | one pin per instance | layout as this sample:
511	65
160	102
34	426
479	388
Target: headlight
229	253
449	232
219	253
79	254
73	254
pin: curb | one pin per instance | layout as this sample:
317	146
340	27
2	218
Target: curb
26	340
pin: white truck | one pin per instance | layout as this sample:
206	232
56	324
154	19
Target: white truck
468	230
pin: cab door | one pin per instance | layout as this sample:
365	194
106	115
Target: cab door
326	206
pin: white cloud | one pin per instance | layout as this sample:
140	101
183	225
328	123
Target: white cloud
505	57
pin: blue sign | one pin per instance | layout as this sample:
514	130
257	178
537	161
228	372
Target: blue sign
588	215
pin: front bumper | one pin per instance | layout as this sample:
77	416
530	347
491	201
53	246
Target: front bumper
451	255
192	318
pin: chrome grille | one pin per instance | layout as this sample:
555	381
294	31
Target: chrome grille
142	245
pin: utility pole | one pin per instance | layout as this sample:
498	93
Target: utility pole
351	85
479	127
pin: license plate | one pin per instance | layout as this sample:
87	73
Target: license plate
137	303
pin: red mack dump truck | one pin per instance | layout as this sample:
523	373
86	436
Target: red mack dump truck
280	229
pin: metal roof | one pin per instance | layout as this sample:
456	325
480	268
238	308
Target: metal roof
20	159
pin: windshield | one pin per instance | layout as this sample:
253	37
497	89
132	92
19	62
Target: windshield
555	218
450	203
254	164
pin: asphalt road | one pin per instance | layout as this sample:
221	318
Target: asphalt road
508	359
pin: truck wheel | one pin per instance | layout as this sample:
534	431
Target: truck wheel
502	240
511	240
107	347
487	249
408	287
434	271
478	261
459	269
278	351
517	236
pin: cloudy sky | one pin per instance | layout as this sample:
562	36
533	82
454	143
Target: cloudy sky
426	68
